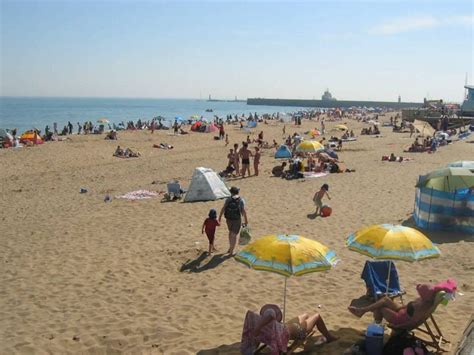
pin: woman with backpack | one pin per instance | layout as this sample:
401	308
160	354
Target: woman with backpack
233	210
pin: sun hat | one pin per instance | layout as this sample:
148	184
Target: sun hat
234	190
273	308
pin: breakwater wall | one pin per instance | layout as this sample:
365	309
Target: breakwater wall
332	103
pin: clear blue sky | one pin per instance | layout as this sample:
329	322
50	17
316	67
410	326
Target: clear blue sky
358	49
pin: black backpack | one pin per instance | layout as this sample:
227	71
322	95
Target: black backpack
232	209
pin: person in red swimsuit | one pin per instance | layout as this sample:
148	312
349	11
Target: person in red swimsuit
209	226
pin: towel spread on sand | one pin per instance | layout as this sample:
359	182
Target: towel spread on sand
312	174
138	195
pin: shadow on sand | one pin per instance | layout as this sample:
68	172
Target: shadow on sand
440	237
313	215
347	337
195	265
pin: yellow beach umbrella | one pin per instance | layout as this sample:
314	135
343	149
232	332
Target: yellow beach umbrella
392	242
309	147
103	120
287	255
341	127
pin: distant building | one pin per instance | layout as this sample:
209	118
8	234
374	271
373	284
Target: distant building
399	99
327	96
467	107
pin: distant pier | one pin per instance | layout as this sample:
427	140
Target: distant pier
332	103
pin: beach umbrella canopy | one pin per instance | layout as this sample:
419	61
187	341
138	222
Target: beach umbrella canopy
309	147
195	116
469	164
314	132
341	127
288	255
392	242
448	179
103	120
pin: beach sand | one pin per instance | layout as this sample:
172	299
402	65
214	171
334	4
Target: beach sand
83	276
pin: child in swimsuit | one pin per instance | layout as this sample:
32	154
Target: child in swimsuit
318	197
209	226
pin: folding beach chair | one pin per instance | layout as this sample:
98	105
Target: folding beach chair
431	337
175	191
375	275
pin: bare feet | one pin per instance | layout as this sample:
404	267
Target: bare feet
331	338
356	311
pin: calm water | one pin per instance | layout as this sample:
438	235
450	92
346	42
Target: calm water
25	113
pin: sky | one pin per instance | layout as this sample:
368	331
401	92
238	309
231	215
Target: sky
360	50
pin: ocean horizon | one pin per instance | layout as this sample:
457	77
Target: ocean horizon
27	112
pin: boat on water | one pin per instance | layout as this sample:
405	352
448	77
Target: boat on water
209	110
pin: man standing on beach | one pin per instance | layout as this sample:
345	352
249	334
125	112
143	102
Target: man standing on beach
233	210
245	154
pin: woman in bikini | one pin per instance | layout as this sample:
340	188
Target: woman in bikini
297	328
394	313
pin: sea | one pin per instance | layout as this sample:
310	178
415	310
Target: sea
25	113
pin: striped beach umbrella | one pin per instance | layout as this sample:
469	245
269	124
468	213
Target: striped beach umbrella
287	255
309	147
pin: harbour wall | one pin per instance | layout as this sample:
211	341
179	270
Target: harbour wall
332	103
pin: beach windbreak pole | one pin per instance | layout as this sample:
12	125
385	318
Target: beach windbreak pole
287	255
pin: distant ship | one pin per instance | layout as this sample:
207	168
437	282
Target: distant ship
467	107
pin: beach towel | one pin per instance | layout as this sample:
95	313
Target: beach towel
312	174
351	139
138	195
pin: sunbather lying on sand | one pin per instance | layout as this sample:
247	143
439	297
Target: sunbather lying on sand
163	146
129	153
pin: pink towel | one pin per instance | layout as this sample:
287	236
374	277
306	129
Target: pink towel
274	335
428	292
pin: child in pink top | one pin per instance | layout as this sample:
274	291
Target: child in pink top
209	226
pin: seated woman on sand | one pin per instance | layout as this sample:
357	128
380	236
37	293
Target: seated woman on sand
278	170
112	135
129	153
267	328
118	152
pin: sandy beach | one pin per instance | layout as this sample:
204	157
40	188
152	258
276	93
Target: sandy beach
80	275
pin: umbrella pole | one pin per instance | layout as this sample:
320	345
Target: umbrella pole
388	276
284	301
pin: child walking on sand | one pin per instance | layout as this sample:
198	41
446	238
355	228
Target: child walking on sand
256	160
209	226
318	197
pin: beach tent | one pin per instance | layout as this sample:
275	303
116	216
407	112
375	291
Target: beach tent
424	128
252	124
196	126
29	136
283	152
206	186
211	128
445	200
6	139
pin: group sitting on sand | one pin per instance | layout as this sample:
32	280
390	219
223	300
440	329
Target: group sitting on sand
126	153
370	131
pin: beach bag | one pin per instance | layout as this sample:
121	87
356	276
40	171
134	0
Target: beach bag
232	209
245	235
402	343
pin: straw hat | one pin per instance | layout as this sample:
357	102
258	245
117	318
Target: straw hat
274	308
